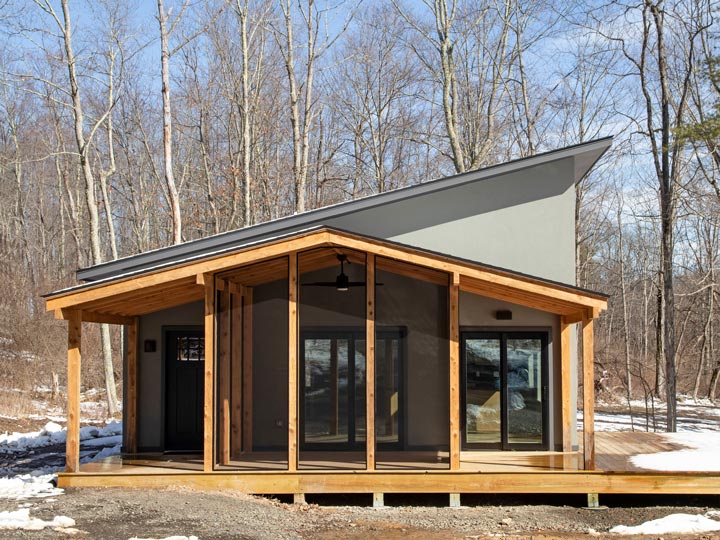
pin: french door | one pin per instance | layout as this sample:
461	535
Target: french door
504	390
332	389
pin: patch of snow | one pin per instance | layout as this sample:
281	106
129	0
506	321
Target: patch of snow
700	455
103	441
672	524
28	486
20	519
104	453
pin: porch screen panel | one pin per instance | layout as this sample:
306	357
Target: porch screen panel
331	359
412	367
258	365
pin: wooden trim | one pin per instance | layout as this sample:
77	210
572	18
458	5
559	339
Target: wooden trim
370	363
566	385
534	290
107	318
223	376
588	394
209	417
72	443
130	418
581	482
236	369
247	370
454	356
293	430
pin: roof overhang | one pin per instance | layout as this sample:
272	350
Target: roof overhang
119	299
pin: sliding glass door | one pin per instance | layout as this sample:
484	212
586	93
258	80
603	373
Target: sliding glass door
504	390
333	383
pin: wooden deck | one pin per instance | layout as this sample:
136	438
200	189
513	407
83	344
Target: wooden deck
410	472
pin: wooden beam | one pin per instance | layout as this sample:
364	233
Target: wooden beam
130	418
566	385
87	316
292	363
223	376
72	442
247	370
209	416
588	394
236	371
370	363
454	320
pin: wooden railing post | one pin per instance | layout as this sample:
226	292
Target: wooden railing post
292	364
209	416
370	362
454	312
72	443
247	369
130	418
223	374
588	393
566	384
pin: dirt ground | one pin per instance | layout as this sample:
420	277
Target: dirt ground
121	514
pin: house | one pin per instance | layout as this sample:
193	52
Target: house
249	354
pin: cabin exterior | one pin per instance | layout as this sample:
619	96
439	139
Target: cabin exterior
420	340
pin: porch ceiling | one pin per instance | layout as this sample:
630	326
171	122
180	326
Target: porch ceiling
119	299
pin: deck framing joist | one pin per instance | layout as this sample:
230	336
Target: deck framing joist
318	482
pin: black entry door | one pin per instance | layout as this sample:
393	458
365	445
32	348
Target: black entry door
184	390
504	390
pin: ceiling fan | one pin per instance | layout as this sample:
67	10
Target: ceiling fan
342	281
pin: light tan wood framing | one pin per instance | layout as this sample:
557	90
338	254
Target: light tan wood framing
130	416
209	416
454	372
370	363
588	394
247	371
72	443
293	430
228	404
566	385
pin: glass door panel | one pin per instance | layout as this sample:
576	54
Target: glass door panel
325	411
387	390
525	391
360	376
483	398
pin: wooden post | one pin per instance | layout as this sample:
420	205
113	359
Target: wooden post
566	383
236	385
370	363
72	443
130	417
455	372
223	377
588	393
209	417
292	364
247	369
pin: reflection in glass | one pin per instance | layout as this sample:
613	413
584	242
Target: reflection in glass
387	390
482	391
524	378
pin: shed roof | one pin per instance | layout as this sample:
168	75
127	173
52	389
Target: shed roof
585	155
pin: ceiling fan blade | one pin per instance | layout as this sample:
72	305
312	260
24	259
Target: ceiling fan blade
320	284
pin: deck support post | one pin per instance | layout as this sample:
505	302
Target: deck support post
370	363
378	500
293	364
454	309
588	394
209	414
593	500
454	500
566	384
130	418
299	498
72	443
